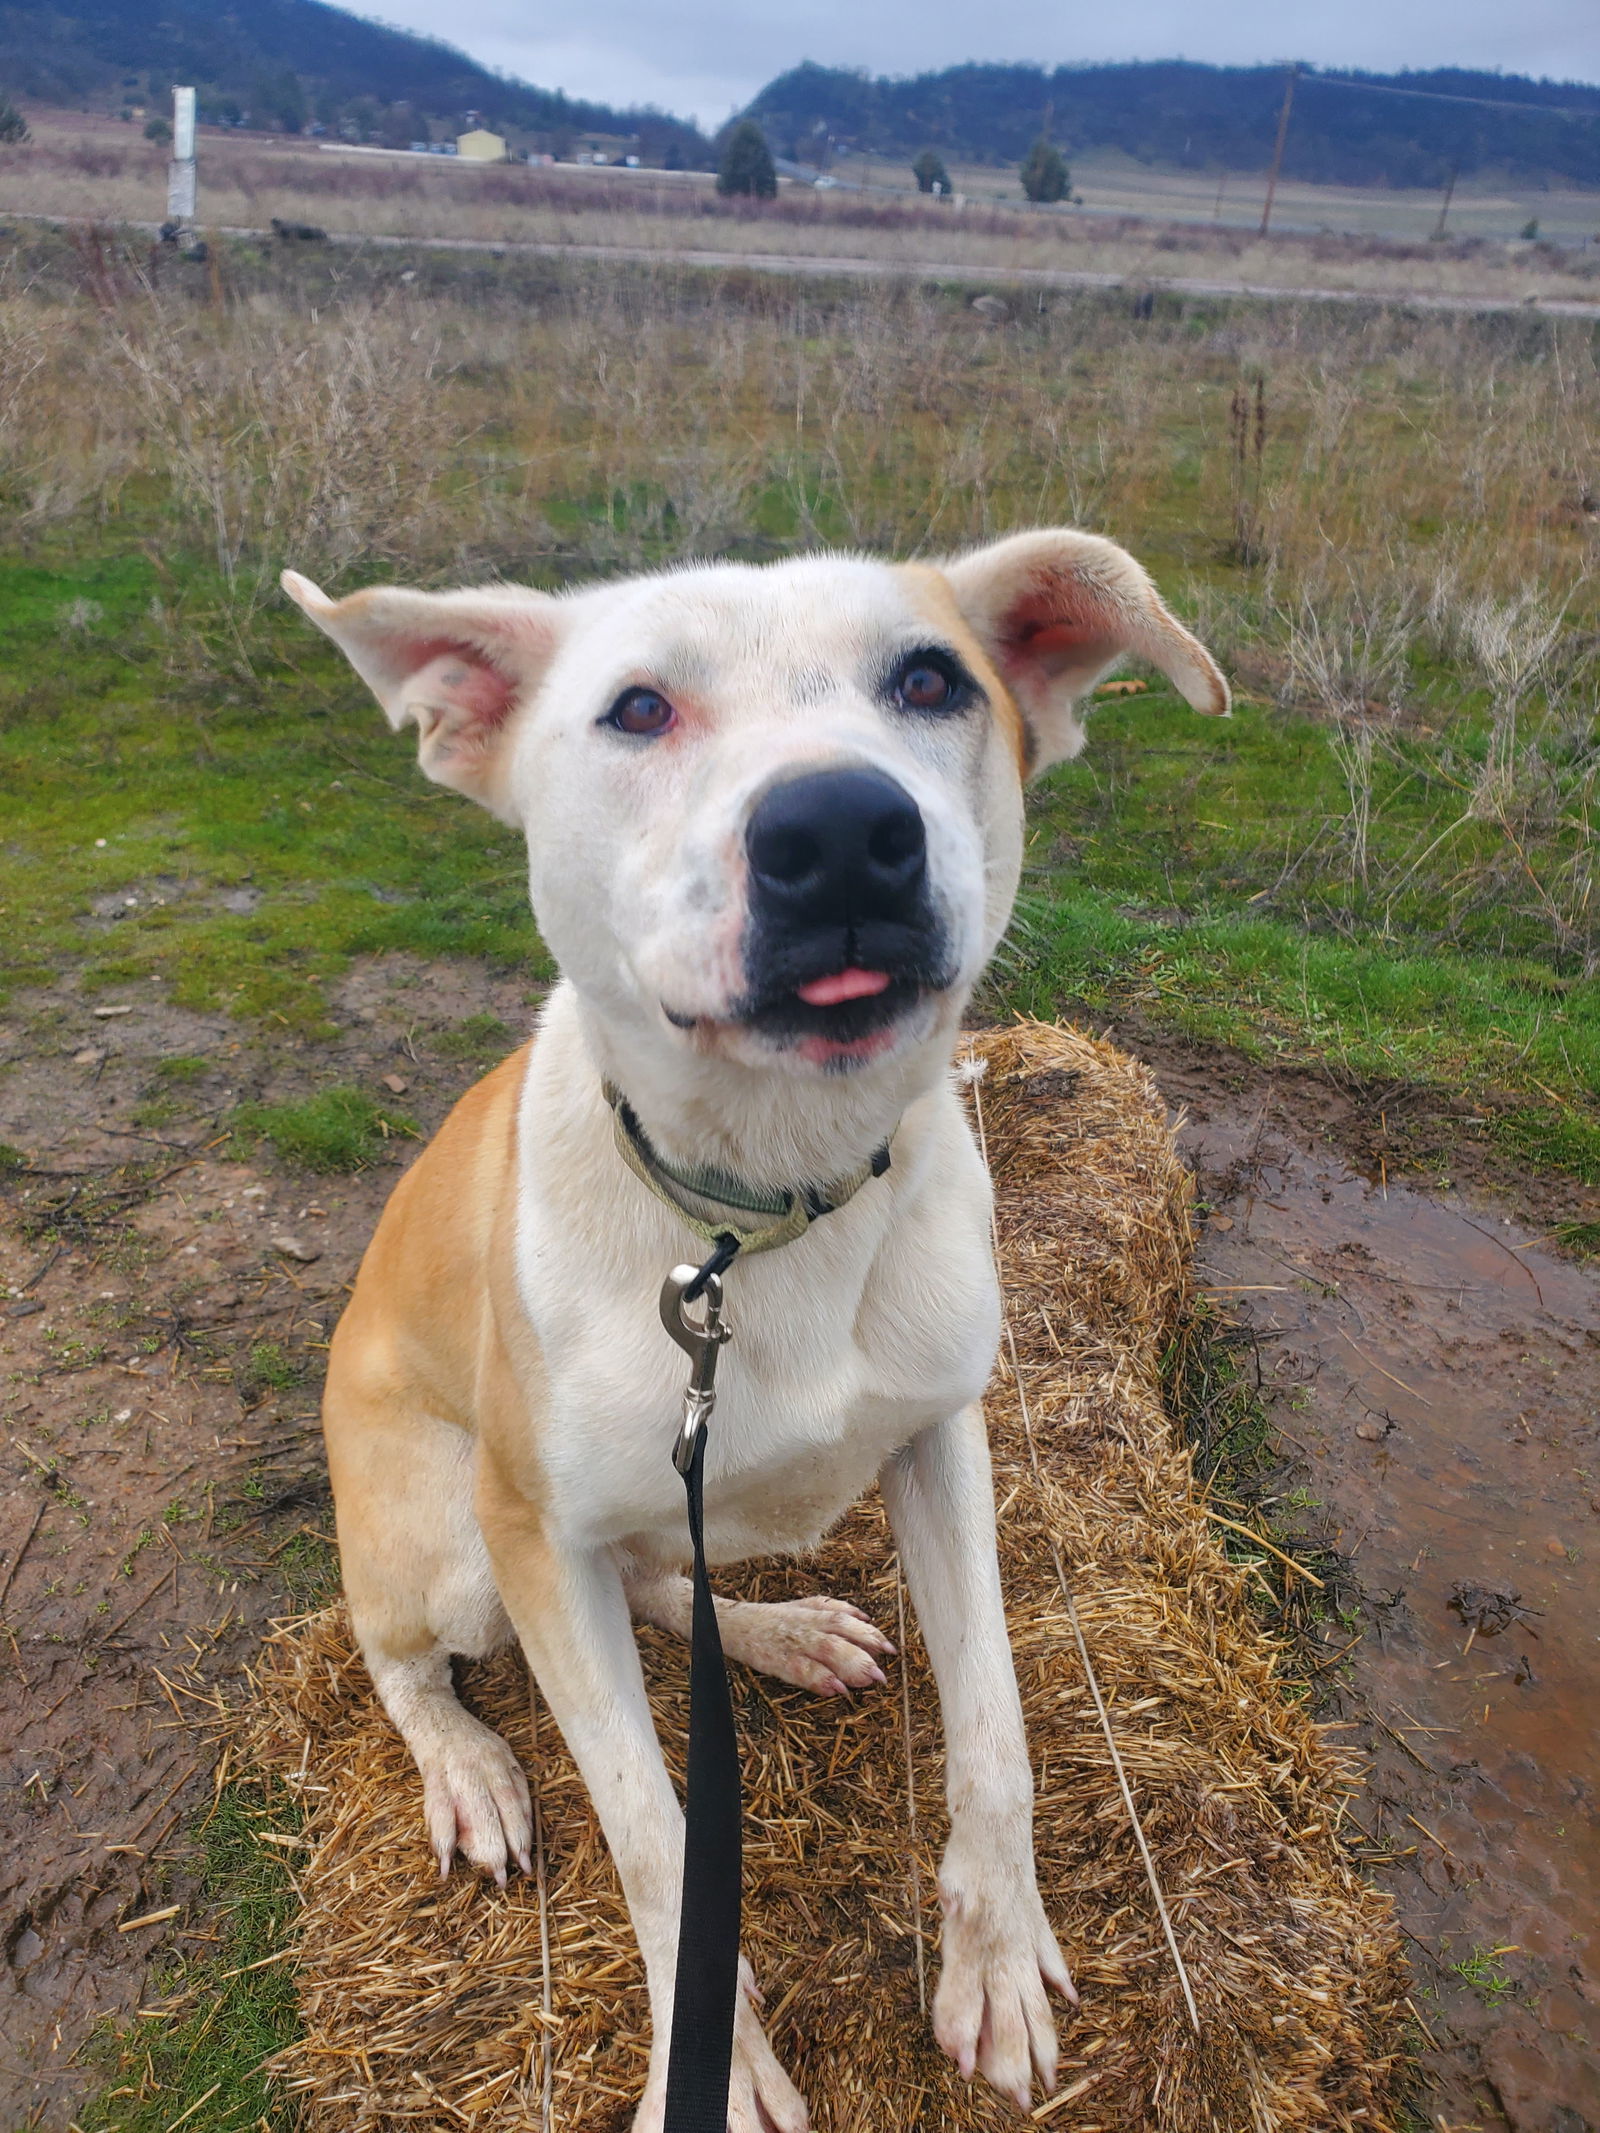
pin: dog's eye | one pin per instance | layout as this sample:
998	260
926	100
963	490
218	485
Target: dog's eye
642	712
928	681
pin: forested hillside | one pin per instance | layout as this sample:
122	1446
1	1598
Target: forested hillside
1196	117
284	63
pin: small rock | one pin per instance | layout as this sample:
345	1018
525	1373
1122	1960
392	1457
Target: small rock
396	1084
1221	1221
1371	1432
1555	1547
25	1309
87	1057
1594	1503
296	1248
104	1014
994	308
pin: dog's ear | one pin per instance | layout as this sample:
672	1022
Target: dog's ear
456	664
1056	610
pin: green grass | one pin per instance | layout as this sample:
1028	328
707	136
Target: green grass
270	829
1486	1974
181	1068
152	758
478	1038
338	1128
204	2057
1157	881
267	1367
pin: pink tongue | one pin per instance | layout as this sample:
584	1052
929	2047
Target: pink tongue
844	985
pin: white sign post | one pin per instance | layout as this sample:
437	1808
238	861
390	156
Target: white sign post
180	171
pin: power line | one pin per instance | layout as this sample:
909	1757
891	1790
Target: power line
1441	96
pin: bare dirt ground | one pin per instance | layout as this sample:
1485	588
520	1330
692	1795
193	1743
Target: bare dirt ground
1433	1373
161	1482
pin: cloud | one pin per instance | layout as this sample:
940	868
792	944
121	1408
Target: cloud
706	57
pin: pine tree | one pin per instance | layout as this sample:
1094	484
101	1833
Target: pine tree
929	172
1045	176
13	126
746	168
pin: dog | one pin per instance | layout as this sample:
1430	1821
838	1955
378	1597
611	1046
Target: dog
774	820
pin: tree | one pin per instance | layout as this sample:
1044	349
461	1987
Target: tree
746	168
930	173
280	100
1045	176
13	126
157	129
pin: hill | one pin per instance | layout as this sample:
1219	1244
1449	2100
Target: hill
288	63
1392	129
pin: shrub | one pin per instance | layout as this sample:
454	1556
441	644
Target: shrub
13	126
929	172
746	169
1530	230
157	129
1045	176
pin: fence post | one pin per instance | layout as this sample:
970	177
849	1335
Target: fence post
180	171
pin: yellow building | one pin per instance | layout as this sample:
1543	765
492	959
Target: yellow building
481	146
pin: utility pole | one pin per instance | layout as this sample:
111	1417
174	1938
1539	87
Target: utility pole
180	171
1449	195
1277	152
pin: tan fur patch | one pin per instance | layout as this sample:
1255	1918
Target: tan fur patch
934	597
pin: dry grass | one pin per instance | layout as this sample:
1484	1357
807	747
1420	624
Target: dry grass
427	2008
102	175
1429	461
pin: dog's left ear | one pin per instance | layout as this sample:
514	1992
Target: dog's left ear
1056	610
456	665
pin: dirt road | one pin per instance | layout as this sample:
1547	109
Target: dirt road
833	267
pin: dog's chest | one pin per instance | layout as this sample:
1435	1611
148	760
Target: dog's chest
810	1402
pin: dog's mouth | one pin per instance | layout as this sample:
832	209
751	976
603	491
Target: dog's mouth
839	1005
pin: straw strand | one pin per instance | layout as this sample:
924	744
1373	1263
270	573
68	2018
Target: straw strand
976	1080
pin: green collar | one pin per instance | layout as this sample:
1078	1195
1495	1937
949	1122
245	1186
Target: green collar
788	1214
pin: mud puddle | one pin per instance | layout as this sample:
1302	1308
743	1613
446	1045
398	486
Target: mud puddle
1435	1378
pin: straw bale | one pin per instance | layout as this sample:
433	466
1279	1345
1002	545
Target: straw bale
425	2005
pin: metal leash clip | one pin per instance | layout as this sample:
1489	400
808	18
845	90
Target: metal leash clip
700	1339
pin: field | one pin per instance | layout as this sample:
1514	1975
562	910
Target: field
101	170
1375	886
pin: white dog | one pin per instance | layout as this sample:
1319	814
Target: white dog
774	826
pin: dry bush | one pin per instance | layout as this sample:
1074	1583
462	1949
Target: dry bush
336	442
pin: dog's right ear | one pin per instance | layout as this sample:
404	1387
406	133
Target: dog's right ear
458	665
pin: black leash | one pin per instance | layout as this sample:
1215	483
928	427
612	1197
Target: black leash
705	1996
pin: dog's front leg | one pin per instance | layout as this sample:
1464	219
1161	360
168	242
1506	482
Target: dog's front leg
992	2010
571	1615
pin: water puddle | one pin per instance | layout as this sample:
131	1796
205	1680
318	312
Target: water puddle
1435	1375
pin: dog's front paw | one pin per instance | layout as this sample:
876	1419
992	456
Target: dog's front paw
824	1645
475	1799
991	2013
761	2097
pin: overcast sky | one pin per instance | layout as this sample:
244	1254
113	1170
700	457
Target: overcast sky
703	58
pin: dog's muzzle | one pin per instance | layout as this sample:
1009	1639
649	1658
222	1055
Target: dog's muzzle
843	934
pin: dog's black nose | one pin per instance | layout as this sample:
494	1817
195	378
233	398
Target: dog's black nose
838	847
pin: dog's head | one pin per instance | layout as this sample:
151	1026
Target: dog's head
773	815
